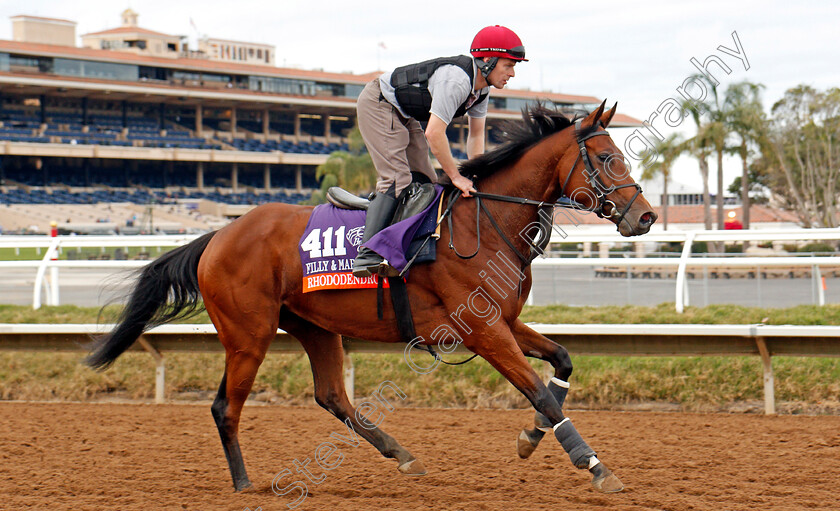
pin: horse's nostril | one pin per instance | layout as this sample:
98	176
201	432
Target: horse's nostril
646	219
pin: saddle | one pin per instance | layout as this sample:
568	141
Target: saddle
413	200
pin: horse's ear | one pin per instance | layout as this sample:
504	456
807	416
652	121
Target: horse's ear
593	117
608	115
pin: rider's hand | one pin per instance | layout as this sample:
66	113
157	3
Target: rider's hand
464	184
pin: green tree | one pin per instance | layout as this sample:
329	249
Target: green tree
667	151
352	170
713	130
700	147
745	118
805	139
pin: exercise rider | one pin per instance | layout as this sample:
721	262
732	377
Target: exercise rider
390	108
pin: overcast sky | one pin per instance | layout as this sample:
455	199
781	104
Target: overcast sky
636	53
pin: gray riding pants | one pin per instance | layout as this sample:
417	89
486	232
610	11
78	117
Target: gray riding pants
396	145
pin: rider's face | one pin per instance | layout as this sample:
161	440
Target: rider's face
503	72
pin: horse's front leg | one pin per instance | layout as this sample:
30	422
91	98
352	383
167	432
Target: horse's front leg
500	349
535	345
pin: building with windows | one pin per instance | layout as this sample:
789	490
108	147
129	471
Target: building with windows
132	38
133	109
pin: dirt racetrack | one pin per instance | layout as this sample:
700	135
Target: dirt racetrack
146	457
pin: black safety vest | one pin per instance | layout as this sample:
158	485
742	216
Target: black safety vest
411	85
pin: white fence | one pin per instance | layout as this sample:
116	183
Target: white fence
764	341
50	260
686	260
52	245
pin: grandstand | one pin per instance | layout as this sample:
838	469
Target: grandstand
133	117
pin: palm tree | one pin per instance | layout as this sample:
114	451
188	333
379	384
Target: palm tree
667	150
353	170
745	117
699	146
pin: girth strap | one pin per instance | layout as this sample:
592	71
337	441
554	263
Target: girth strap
402	308
405	321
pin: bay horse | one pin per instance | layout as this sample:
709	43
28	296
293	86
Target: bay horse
249	276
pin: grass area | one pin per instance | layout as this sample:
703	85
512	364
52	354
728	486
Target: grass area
609	314
665	313
691	382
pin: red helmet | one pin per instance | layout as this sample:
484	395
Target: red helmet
498	41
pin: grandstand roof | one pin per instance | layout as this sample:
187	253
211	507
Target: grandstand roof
529	94
237	68
131	30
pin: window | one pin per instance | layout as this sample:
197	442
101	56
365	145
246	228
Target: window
498	103
113	45
282	85
329	89
137	44
353	90
153	73
20	63
101	70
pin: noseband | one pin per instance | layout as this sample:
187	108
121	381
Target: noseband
593	177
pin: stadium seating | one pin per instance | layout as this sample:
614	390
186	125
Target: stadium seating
284	146
141	196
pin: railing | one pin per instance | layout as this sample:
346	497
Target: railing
686	260
51	245
687	238
622	340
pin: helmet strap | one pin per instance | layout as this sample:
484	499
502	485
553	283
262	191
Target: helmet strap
486	67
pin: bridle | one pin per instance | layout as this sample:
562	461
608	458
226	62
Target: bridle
593	177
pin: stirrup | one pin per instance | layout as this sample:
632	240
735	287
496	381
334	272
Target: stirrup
386	270
369	268
366	271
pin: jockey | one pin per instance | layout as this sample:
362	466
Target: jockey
390	108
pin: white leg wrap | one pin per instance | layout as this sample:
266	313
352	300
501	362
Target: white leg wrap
560	423
557	381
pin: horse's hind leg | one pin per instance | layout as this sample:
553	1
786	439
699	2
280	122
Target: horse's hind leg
535	345
246	341
326	356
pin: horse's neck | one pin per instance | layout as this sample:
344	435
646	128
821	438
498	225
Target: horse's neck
534	176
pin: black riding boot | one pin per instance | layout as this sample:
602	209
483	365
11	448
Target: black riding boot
380	212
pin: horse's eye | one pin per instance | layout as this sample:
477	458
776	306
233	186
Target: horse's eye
603	156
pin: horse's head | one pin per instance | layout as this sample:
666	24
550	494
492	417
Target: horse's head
599	179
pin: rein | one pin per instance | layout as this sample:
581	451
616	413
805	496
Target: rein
593	178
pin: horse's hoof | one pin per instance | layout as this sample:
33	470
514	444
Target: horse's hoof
243	486
524	446
605	481
413	468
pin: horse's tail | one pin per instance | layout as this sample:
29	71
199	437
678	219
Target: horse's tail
175	275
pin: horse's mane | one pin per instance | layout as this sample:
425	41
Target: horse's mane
538	122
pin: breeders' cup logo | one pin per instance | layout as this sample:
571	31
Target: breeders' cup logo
354	235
